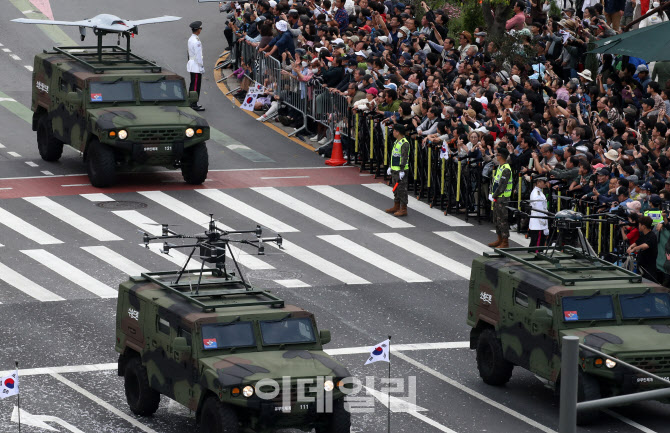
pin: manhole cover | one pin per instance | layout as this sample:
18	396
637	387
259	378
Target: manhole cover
274	275
121	205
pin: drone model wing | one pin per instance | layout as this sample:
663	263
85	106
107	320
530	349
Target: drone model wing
105	22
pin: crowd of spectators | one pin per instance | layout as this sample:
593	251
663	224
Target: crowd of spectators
601	132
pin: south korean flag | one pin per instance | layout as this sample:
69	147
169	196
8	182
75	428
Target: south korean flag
249	101
380	352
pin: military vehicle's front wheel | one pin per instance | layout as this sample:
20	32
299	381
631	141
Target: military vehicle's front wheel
100	164
493	368
49	146
195	164
337	422
588	389
142	399
217	417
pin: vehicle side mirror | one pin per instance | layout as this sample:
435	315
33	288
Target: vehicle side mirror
543	318
73	98
180	345
324	336
193	97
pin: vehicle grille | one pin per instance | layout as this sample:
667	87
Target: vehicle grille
650	363
155	136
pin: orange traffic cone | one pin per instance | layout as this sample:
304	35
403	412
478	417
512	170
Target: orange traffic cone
336	156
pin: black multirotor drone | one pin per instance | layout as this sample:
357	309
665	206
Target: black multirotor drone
212	247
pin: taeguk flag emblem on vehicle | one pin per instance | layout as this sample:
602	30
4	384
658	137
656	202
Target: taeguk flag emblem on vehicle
571	315
96	97
210	343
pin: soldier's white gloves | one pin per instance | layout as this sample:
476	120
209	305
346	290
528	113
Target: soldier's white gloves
388	172
402	174
490	197
546	232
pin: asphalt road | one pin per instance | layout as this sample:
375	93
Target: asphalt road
365	275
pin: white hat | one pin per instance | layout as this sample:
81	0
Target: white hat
338	41
586	75
516	79
361	53
384	39
282	26
273	4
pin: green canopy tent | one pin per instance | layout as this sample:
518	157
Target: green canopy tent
651	44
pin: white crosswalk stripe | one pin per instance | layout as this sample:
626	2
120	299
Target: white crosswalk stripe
247	211
72	218
374	259
115	259
360	206
143	222
199	218
303	208
292	283
175	256
15	279
420	207
465	242
71	273
26	229
97	197
320	264
426	253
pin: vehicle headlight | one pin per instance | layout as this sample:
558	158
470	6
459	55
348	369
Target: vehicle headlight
328	385
609	363
123	134
248	391
190	132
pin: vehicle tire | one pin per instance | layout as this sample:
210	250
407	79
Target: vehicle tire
142	399
337	422
493	368
217	417
101	164
195	164
49	146
588	389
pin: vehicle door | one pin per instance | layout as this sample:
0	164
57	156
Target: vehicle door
543	361
515	329
160	371
185	371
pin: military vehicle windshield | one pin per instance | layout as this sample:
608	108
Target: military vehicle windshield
588	308
224	335
163	90
115	91
288	331
645	305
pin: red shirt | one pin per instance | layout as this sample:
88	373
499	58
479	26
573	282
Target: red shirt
633	235
516	22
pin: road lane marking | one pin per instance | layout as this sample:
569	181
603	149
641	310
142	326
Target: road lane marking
26	229
31	164
474	393
245	151
102	403
34	290
2	146
426	253
72	218
420	207
374	259
199	218
360	206
47	173
15	57
465	242
14	154
28	67
285	177
71	273
319	263
97	197
6	50
516	238
247	211
115	259
6	187
76	184
292	283
628	421
303	208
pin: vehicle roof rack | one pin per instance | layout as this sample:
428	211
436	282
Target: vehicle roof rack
567	273
102	58
216	291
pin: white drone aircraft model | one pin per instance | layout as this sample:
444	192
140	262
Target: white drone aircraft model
103	23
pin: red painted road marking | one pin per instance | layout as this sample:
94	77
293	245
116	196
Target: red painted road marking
44	7
169	181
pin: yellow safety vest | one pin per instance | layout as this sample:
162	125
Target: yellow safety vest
496	180
655	215
396	155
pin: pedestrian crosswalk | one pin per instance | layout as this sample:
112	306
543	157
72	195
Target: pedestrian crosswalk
67	247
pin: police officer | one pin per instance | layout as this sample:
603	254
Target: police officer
538	226
398	171
195	64
502	191
655	211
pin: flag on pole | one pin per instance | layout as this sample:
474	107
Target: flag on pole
9	385
257	88
380	352
249	101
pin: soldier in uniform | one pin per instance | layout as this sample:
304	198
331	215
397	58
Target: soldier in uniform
538	226
502	191
195	64
397	171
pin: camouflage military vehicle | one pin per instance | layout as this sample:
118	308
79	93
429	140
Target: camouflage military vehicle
234	355
521	304
118	110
